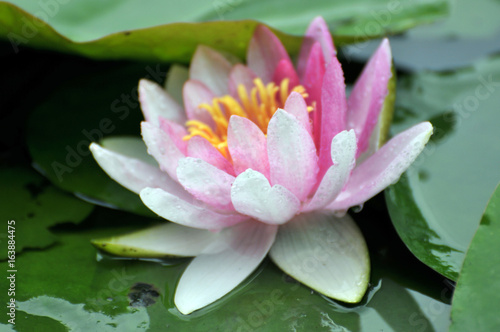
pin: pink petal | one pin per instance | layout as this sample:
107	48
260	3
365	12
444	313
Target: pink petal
156	102
162	147
343	154
199	147
247	145
187	213
293	162
285	69
316	32
333	111
211	68
313	83
296	105
265	51
211	276
384	167
240	74
176	133
253	196
206	182
196	93
133	173
368	95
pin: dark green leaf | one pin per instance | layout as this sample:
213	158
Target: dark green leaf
437	205
34	205
80	113
477	296
125	29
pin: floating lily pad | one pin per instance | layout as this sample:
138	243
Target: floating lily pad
30	206
98	293
84	27
436	207
477	282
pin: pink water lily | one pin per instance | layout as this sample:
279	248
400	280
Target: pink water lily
261	158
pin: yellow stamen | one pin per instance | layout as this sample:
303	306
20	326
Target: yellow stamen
258	105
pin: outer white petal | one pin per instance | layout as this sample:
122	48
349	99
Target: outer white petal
167	239
384	167
211	276
156	102
325	253
134	174
253	196
129	146
344	158
176	77
187	212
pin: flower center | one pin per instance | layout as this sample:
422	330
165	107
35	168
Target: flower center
258	105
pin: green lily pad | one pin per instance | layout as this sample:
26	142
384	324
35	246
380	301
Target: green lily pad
437	204
477	282
116	294
31	205
124	29
80	114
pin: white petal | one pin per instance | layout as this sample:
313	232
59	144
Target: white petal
344	158
167	239
293	162
325	253
211	276
129	146
156	102
132	173
206	182
252	195
176	77
187	212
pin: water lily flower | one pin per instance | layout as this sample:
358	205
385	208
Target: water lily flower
259	159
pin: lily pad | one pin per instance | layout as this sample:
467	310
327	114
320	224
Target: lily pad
32	205
80	114
437	205
476	283
125	28
103	293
